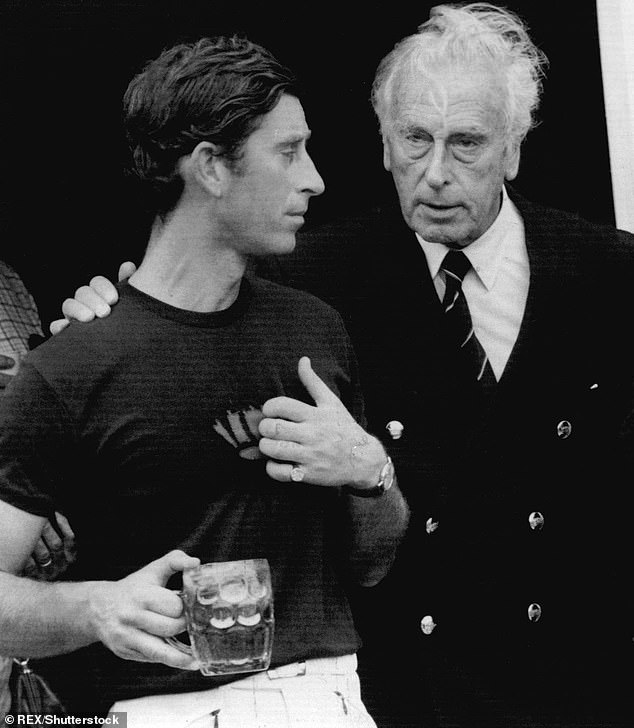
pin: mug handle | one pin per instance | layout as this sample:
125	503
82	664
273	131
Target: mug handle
180	646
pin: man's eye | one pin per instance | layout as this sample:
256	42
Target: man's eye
416	137
290	154
466	143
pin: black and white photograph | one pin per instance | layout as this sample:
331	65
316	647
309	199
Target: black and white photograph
316	375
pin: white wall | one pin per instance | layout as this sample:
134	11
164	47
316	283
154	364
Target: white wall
616	41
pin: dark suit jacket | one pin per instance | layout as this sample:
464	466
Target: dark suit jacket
554	439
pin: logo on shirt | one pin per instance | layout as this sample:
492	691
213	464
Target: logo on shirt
240	429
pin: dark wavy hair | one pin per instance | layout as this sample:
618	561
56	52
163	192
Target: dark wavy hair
215	90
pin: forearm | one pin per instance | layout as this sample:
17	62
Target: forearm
377	527
40	619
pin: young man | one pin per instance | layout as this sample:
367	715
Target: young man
206	419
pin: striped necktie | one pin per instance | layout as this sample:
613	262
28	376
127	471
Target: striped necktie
455	265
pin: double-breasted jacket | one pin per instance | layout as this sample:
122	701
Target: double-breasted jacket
511	587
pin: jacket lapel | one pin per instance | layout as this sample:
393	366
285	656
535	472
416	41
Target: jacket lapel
552	259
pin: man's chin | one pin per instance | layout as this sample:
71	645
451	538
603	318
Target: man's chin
440	234
281	246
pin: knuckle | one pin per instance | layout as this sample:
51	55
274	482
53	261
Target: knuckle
283	448
264	427
40	550
269	408
96	281
67	306
58	325
83	292
267	446
274	470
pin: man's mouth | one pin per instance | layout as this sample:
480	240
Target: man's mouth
434	208
439	206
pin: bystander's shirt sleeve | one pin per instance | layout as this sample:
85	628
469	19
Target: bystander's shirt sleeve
36	444
18	314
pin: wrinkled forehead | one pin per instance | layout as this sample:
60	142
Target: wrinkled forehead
449	86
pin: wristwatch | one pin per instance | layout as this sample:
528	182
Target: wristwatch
386	478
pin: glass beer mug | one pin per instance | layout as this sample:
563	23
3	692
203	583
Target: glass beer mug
229	613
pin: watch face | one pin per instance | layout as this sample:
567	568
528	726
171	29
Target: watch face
387	476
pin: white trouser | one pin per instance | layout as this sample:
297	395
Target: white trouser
322	693
6	663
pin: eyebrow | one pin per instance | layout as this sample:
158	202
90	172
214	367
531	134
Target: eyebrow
473	133
293	138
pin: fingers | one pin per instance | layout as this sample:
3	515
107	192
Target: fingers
49	546
160	625
51	538
315	386
131	642
282	450
89	301
287	408
283	472
73	310
92	300
164	602
132	616
160	570
145	647
126	270
54	551
282	430
64	527
6	362
58	325
104	289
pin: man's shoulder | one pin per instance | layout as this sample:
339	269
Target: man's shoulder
92	345
293	301
549	221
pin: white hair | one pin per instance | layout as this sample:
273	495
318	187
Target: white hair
462	36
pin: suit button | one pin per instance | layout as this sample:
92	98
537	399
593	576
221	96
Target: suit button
534	612
536	521
427	624
395	428
431	525
564	428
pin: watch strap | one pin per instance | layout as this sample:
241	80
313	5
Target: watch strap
386	478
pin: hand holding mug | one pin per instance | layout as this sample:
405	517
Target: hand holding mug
229	613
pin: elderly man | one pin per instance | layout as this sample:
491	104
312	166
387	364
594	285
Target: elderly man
493	342
252	455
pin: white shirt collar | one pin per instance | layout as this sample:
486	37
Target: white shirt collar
486	252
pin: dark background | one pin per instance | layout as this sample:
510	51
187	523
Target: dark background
65	210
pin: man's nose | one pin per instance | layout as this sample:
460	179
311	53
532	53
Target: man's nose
312	183
437	173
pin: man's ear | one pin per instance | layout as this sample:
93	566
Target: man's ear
387	156
512	160
206	168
